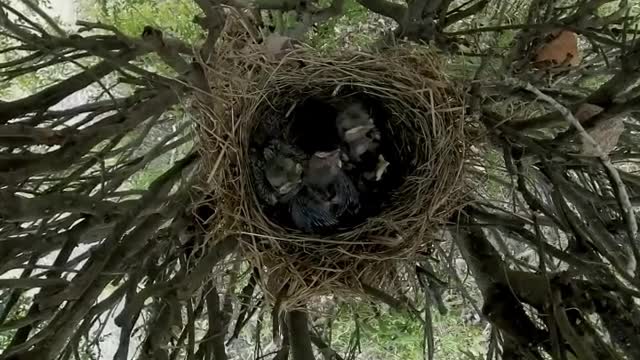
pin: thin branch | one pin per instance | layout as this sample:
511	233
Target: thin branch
55	93
29	283
298	326
385	8
214	344
621	192
454	17
325	348
54	25
213	22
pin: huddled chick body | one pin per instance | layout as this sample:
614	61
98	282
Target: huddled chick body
326	196
313	189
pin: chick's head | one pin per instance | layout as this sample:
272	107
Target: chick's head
283	173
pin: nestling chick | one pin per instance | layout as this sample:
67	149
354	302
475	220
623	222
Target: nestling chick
360	140
381	168
357	131
279	176
327	194
352	116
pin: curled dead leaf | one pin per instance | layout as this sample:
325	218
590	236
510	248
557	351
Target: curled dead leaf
606	135
587	111
277	45
561	50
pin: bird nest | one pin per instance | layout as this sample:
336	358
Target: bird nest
420	116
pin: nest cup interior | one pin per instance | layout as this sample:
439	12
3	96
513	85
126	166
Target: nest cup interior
309	123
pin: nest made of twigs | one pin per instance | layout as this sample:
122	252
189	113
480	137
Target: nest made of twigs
425	125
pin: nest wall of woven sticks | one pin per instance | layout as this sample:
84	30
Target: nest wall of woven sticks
421	118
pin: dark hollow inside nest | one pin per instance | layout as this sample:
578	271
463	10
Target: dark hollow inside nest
310	125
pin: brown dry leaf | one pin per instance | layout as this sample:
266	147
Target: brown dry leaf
587	111
277	45
606	134
562	50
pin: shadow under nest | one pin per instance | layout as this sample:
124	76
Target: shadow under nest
420	118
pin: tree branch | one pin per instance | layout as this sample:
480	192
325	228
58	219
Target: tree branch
501	305
55	93
87	139
385	8
215	334
298	326
621	190
213	22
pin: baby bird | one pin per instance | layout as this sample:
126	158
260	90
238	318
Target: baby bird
278	177
361	140
351	117
357	131
327	194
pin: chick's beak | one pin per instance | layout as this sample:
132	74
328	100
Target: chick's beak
287	188
358	132
327	154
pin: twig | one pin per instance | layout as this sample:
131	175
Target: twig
385	8
214	338
213	22
28	283
55	93
54	25
621	193
298	324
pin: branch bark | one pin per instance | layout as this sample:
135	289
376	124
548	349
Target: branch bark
385	8
298	326
15	171
55	93
213	22
501	306
214	345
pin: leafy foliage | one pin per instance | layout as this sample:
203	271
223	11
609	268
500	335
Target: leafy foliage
387	334
130	17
